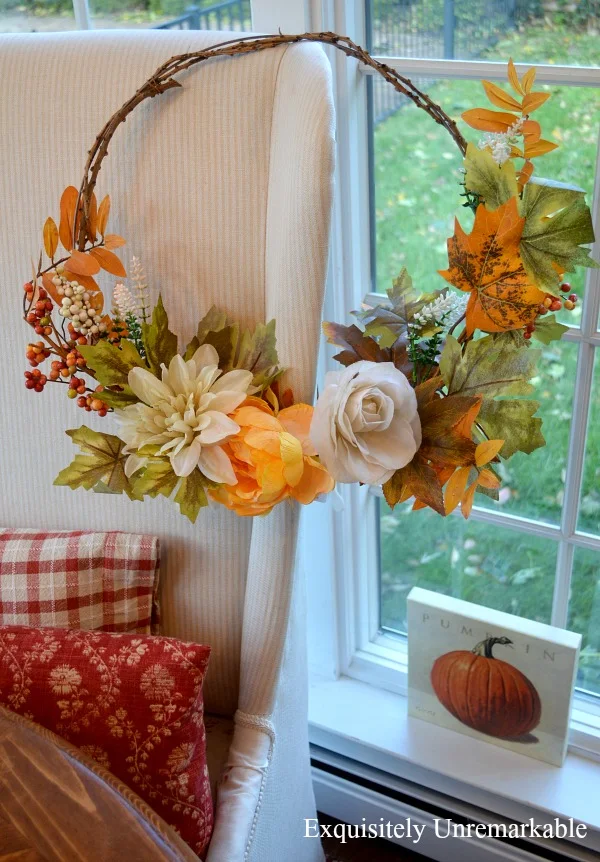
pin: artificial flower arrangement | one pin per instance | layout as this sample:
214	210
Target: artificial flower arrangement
433	394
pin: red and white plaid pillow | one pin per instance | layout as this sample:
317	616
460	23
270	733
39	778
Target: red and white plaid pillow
79	580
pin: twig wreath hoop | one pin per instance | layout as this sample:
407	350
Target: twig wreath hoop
433	395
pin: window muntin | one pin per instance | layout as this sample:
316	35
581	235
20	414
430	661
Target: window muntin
589	507
584	616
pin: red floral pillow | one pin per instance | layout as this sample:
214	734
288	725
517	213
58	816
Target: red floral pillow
133	703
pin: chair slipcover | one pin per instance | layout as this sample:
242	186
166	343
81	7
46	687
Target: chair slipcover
223	188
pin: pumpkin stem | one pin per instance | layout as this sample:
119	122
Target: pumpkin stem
484	648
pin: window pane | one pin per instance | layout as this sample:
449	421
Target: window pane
492	566
172	14
416	174
36	16
584	616
484	29
589	512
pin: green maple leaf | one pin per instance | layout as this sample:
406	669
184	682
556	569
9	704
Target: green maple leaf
111	365
490	366
497	366
213	321
159	342
548	329
191	496
156	478
389	323
257	352
251	349
494	183
513	421
404	298
102	463
225	343
558	224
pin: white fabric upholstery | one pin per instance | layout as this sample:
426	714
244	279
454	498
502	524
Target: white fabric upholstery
223	188
219	735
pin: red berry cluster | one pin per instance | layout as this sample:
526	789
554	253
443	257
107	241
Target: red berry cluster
35	380
552	303
36	353
90	402
571	301
76	387
39	314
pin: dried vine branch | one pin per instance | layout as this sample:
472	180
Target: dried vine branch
163	80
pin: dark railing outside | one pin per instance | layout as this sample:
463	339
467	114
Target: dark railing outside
228	15
435	29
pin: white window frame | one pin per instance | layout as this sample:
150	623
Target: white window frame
83	19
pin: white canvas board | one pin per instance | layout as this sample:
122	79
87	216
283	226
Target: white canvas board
516	695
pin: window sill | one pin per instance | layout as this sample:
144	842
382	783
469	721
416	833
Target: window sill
371	726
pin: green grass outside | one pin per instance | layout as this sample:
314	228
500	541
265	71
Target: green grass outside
416	179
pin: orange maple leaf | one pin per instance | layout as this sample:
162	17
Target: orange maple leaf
486	263
446	425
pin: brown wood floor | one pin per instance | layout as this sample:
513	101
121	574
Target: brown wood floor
365	849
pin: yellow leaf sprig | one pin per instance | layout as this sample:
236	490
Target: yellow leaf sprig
515	115
457	490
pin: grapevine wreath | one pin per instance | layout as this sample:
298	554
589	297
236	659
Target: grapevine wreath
434	389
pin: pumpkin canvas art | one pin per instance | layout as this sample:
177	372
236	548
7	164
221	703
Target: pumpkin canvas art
493	676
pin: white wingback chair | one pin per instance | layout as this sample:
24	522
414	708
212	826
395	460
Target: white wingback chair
223	188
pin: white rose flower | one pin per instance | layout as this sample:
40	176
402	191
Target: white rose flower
185	414
365	423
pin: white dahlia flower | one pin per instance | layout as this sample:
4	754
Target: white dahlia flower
185	414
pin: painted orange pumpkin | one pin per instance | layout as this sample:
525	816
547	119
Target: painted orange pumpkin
486	693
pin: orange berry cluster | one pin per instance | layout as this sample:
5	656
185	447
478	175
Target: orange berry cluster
36	353
35	380
39	314
91	402
68	366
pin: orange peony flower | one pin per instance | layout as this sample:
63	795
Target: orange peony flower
272	458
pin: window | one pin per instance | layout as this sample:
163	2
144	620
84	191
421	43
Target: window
52	15
535	552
